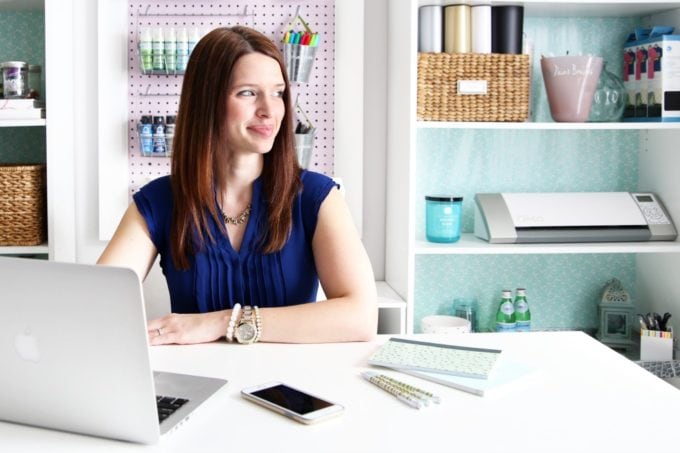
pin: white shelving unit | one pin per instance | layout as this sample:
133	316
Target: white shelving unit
657	264
10	123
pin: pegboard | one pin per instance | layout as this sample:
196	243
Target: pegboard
159	94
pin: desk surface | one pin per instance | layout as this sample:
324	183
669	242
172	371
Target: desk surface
583	398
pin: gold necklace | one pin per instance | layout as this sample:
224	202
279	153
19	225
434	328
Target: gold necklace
239	219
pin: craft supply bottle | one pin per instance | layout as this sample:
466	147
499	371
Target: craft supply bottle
522	312
182	49
505	316
146	61
169	133
146	135
157	44
193	39
159	136
170	49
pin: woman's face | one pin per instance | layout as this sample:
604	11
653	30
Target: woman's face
255	105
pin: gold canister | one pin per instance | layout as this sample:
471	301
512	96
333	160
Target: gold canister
457	29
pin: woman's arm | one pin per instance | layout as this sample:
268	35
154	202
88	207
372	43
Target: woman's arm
131	244
346	275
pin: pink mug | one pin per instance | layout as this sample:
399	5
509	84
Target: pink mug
570	83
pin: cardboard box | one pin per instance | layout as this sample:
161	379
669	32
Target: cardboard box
652	77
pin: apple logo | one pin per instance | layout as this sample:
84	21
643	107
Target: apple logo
27	346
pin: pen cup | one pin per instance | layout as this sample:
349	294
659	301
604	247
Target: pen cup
299	60
304	144
656	345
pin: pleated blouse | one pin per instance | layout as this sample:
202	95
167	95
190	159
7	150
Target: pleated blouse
219	276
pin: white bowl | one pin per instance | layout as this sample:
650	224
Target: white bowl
441	324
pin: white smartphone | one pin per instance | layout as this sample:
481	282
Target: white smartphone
292	402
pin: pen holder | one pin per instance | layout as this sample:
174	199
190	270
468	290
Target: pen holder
304	144
299	60
656	345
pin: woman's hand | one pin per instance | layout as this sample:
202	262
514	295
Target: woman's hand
188	328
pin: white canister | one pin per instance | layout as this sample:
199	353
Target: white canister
15	79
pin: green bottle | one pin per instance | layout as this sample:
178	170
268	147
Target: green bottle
505	316
522	312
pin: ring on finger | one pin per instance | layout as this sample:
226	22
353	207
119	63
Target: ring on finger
160	331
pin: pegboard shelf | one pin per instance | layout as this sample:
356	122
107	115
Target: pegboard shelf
146	13
156	92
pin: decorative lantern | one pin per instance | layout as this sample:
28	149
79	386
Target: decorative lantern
616	316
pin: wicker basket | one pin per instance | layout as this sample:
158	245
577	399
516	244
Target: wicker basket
508	85
22	205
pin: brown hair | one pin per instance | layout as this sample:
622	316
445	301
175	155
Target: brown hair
198	161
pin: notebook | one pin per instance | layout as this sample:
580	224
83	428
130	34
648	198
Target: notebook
75	357
403	354
505	373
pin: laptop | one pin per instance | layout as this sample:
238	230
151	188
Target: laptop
75	355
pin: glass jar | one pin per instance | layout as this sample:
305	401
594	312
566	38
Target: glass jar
609	99
34	81
15	79
443	218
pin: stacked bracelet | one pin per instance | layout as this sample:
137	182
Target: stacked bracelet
232	321
258	323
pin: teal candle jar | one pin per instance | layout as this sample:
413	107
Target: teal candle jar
442	218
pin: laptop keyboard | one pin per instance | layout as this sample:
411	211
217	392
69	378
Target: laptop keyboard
167	405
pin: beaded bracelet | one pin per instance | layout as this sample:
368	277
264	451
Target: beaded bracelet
232	321
258	323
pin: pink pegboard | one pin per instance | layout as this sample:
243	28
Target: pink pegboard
159	94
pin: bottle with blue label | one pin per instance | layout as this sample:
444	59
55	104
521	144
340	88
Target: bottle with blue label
522	312
159	147
145	129
505	316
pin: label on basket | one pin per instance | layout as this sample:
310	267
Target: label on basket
471	86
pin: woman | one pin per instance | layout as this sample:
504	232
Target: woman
238	223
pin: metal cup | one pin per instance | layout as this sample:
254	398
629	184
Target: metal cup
304	144
299	61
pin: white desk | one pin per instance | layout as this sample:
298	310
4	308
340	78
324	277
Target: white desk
584	398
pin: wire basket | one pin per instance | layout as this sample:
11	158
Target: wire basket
504	77
22	205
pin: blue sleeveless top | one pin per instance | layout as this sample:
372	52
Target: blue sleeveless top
219	276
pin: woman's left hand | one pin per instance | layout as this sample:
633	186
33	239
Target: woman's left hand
188	328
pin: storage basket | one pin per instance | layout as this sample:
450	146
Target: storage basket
22	205
507	78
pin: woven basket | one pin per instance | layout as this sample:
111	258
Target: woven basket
22	205
508	85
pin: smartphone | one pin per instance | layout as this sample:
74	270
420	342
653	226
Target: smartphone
292	402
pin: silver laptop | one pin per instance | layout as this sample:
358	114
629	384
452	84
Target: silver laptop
75	357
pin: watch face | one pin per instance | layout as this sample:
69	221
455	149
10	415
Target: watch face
245	332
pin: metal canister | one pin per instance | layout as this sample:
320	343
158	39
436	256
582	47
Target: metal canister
15	79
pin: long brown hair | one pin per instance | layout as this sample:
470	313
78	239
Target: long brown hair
199	156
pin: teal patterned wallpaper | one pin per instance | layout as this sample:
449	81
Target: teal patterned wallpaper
563	290
22	38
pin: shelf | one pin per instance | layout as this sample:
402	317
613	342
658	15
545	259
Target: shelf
578	8
24	250
387	297
22	123
549	125
471	245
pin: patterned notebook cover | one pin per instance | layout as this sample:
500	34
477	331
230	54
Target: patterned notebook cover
401	354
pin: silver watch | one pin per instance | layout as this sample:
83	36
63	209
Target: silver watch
246	331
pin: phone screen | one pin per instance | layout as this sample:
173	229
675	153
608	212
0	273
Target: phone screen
291	399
